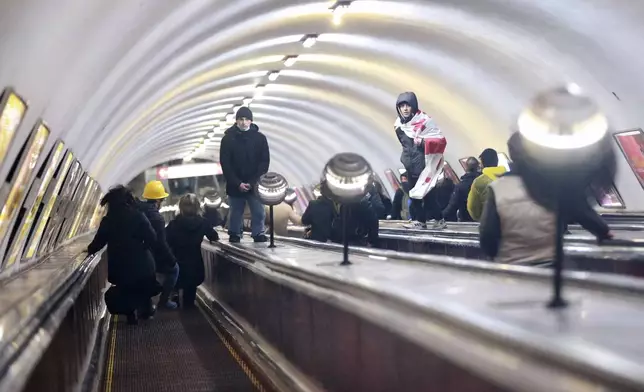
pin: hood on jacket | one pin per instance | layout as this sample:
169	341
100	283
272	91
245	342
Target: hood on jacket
494	172
235	128
410	99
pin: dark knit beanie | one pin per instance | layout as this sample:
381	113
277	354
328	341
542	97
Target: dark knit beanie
245	113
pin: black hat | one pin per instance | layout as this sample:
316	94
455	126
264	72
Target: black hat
244	112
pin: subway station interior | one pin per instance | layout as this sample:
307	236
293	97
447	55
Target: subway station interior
97	94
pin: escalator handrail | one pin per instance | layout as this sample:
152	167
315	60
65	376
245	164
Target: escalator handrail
25	340
573	358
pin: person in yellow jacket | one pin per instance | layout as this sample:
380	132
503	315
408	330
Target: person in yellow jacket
478	192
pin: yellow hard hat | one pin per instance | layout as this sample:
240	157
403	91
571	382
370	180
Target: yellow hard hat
154	190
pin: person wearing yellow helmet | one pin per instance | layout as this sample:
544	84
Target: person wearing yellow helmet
166	264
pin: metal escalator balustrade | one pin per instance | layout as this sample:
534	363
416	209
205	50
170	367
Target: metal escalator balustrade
610	257
451	325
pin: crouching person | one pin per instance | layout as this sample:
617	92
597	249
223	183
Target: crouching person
130	266
184	235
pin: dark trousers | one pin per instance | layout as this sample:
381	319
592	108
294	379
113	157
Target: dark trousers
417	208
189	296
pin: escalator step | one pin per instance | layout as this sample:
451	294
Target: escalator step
176	351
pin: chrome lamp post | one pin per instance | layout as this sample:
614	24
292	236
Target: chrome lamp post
271	190
344	180
563	143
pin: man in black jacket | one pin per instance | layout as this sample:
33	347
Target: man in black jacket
244	158
458	201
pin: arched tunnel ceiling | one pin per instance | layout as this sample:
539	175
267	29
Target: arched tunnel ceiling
130	84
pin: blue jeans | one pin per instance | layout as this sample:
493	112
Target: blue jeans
236	214
168	281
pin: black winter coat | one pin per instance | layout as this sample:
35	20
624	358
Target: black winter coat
458	200
129	238
412	156
163	257
185	234
326	221
244	158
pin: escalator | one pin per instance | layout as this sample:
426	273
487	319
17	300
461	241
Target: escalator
175	351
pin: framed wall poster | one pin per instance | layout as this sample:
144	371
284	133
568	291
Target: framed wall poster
463	161
607	197
12	112
393	180
632	145
19	179
450	173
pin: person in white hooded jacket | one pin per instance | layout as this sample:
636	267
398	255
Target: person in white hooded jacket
423	145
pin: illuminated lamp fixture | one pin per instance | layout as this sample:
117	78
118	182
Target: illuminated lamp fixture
187	158
236	108
344	180
309	40
247	101
289	61
339	9
230	118
222	124
211	134
212	201
291	196
259	90
273	75
563	144
271	190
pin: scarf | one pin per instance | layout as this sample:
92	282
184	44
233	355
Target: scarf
421	126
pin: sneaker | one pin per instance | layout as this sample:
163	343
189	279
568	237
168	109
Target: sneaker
260	238
441	224
170	305
415	225
233	239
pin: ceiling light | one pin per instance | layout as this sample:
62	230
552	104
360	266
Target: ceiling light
236	108
187	158
339	9
230	117
247	101
211	134
290	60
272	76
259	90
309	40
222	124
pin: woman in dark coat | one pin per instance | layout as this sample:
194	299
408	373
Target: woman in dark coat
130	265
185	234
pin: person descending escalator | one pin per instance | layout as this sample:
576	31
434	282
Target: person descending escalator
284	213
478	192
185	234
458	201
400	204
325	218
245	157
515	229
211	205
130	266
438	199
384	198
374	201
167	267
423	145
